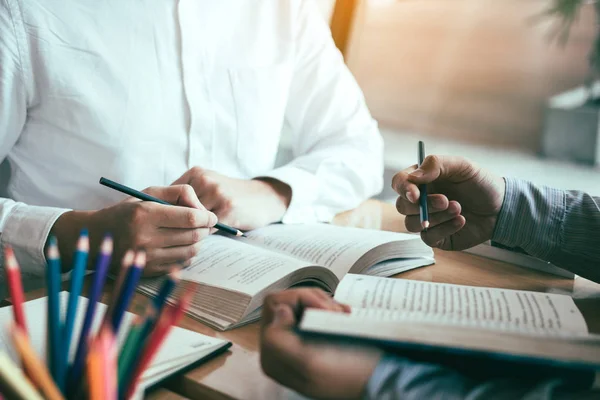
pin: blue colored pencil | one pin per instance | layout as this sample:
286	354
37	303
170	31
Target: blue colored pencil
53	342
165	290
423	211
102	265
77	275
127	290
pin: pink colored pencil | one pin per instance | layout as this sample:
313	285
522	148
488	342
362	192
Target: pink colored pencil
108	344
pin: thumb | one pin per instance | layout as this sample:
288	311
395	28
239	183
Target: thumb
283	317
454	169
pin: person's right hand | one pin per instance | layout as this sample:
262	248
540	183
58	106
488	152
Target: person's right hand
463	200
317	368
170	235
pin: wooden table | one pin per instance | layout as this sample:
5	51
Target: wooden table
237	373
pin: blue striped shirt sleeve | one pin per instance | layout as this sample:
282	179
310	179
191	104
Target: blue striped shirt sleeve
400	378
562	227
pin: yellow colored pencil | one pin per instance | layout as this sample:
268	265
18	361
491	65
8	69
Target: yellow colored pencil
35	368
95	371
15	381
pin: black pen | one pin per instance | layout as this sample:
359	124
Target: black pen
423	189
146	197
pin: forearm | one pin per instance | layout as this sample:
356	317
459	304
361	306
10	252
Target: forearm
400	378
332	180
554	225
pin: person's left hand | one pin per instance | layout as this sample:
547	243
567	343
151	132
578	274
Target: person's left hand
320	369
241	203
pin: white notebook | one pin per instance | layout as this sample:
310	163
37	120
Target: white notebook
181	348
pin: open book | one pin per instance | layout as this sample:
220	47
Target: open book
235	274
181	349
540	328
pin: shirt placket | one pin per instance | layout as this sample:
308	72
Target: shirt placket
195	67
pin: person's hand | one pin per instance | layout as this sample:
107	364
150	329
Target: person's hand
320	369
241	203
463	201
170	235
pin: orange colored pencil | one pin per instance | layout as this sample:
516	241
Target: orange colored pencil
95	371
169	317
15	286
36	369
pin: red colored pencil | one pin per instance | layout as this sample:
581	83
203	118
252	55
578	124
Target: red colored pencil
169	317
15	286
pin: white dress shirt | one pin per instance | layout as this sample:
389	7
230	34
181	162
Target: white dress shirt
141	91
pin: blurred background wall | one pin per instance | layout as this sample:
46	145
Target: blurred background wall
478	70
469	76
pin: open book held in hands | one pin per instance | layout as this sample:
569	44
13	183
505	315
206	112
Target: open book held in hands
235	274
506	325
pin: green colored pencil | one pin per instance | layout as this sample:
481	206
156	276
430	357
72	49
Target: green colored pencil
129	349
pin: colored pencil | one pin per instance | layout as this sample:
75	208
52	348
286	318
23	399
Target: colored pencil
153	311
125	265
146	197
13	380
77	275
37	370
127	290
109	373
15	287
102	265
94	371
166	288
132	342
53	281
423	211
168	318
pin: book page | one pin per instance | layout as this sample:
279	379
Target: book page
334	247
463	304
234	265
394	329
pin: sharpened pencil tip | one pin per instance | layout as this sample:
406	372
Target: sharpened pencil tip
140	259
52	251
240	233
9	258
128	258
175	274
425	224
83	244
107	245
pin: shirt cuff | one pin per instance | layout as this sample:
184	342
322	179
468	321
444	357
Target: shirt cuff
305	192
531	218
26	230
